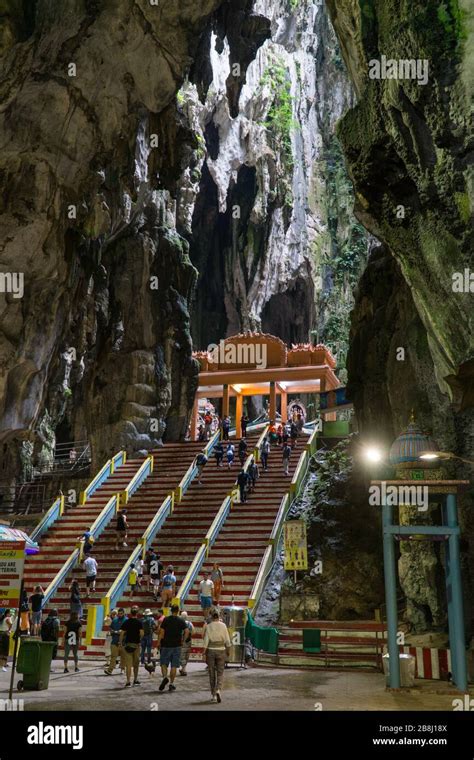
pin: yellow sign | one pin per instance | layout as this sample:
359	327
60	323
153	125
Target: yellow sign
296	548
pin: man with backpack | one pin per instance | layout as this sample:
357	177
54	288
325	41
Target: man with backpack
90	566
50	630
286	458
200	462
149	628
168	587
242	480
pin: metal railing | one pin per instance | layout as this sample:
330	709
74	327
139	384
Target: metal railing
192	470
296	485
108	469
140	476
214	530
99	525
118	586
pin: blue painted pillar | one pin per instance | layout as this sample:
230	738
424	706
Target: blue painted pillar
455	601
391	596
449	595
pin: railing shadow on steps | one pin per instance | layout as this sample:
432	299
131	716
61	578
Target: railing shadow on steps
57	509
99	525
211	535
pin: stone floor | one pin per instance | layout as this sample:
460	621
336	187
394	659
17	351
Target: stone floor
249	689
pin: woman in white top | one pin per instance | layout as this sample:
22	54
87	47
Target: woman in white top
216	646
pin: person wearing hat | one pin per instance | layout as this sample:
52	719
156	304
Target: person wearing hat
149	628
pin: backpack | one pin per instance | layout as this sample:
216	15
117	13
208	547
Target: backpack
148	625
48	630
202	459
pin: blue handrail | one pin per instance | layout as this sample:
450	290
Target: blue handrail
53	513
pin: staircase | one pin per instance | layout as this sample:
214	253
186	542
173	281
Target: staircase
184	531
61	539
241	543
170	465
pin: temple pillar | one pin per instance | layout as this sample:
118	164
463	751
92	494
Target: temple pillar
284	406
194	418
272	409
225	401
238	415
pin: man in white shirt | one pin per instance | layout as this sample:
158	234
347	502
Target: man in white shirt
216	645
90	566
206	591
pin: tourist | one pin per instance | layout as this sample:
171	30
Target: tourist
201	434
242	481
207	425
87	540
244	421
219	453
264	452
132	580
200	462
118	617
131	632
75	603
50	630
6	624
186	645
168	587
272	432
206	592
36	601
286	433
286	458
24	614
299	423
173	631
150	556
121	529
108	637
149	628
243	446
90	567
216	648
230	455
280	434
225	428
156	569
140	565
217	577
72	639
253	474
293	434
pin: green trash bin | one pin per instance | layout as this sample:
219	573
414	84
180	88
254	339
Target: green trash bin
34	662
